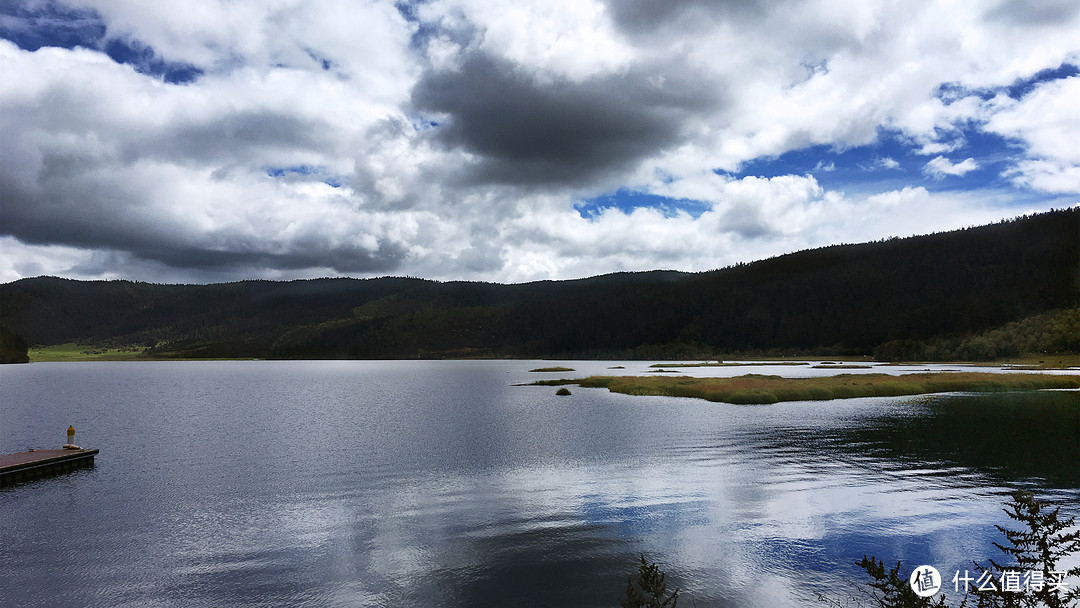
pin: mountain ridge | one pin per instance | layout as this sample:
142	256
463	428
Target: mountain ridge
846	298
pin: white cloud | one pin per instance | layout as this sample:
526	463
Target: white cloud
555	38
366	40
936	147
19	260
941	167
108	172
881	163
1047	120
750	218
444	54
1047	176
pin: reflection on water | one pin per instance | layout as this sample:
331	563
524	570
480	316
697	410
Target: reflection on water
442	484
1011	437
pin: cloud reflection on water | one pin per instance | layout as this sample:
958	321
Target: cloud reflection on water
357	484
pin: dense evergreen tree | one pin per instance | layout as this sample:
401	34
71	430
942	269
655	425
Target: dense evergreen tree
650	588
13	348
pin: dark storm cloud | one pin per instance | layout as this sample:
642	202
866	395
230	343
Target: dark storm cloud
222	139
187	137
84	207
82	219
341	259
1045	12
531	131
642	16
95	224
345	260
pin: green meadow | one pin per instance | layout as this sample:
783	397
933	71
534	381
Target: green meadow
83	352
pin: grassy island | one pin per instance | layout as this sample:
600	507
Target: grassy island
552	369
730	363
755	388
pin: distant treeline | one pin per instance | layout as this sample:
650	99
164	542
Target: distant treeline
940	295
1052	332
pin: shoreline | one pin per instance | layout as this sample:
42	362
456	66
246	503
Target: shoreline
72	352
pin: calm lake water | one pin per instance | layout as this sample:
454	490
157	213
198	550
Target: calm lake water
365	483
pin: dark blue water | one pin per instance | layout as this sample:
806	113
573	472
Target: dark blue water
443	484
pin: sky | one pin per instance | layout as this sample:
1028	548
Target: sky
220	140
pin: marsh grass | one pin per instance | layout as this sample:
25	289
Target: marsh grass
1043	361
729	364
756	388
1032	361
552	369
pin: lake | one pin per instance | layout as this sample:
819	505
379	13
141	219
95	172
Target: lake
420	483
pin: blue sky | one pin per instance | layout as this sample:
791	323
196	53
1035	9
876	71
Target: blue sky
892	160
33	25
475	139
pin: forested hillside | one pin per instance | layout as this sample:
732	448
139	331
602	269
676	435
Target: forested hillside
845	299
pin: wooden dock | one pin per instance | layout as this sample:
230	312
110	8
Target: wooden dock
33	464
